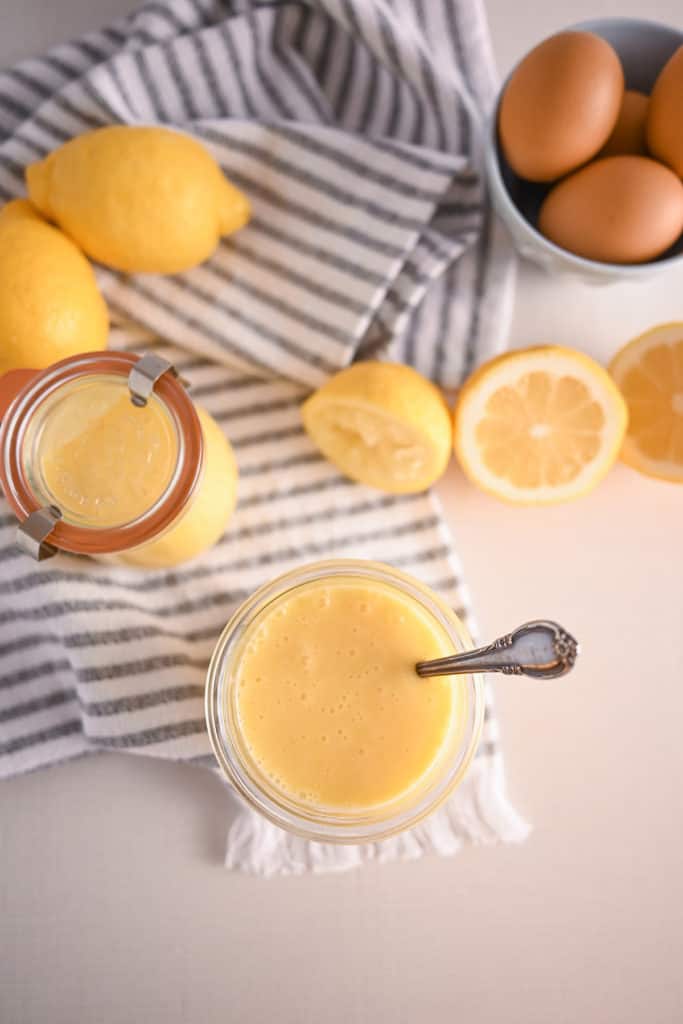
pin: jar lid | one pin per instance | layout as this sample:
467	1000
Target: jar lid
145	378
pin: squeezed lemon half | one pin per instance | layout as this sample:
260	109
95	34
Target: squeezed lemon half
382	424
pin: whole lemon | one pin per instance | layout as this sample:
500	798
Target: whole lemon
204	522
50	306
140	199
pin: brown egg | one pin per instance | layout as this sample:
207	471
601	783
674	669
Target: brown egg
622	209
664	129
628	134
560	105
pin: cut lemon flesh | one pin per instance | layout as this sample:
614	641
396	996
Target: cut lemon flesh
539	426
382	424
649	373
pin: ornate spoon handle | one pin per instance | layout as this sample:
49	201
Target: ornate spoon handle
541	649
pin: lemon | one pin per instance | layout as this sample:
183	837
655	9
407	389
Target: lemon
205	520
138	199
50	306
539	426
649	373
382	424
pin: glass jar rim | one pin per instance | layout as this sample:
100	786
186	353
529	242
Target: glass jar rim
315	823
81	539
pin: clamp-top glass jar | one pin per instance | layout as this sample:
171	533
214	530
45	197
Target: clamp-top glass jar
105	454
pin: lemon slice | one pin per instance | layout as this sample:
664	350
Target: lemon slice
382	424
539	426
649	373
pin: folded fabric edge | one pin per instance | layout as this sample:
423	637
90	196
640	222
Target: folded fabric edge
479	813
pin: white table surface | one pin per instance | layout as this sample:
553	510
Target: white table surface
114	906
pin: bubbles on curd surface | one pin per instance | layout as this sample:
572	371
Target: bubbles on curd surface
329	704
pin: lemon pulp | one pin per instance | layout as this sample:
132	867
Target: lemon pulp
382	424
649	371
539	425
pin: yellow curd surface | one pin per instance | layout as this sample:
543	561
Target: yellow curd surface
328	701
104	461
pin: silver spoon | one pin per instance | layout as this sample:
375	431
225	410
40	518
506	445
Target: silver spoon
541	649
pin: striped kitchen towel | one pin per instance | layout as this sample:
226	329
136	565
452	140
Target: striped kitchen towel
354	127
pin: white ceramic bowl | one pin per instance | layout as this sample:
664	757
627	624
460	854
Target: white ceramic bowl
644	47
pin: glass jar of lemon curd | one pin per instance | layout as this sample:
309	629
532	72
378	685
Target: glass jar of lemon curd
316	714
105	454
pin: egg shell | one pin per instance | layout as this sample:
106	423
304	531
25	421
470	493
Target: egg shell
620	209
664	129
628	134
560	105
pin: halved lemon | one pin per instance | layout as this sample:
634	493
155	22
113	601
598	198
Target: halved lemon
539	426
649	373
382	424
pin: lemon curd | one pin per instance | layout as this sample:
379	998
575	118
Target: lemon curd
106	463
102	460
329	706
